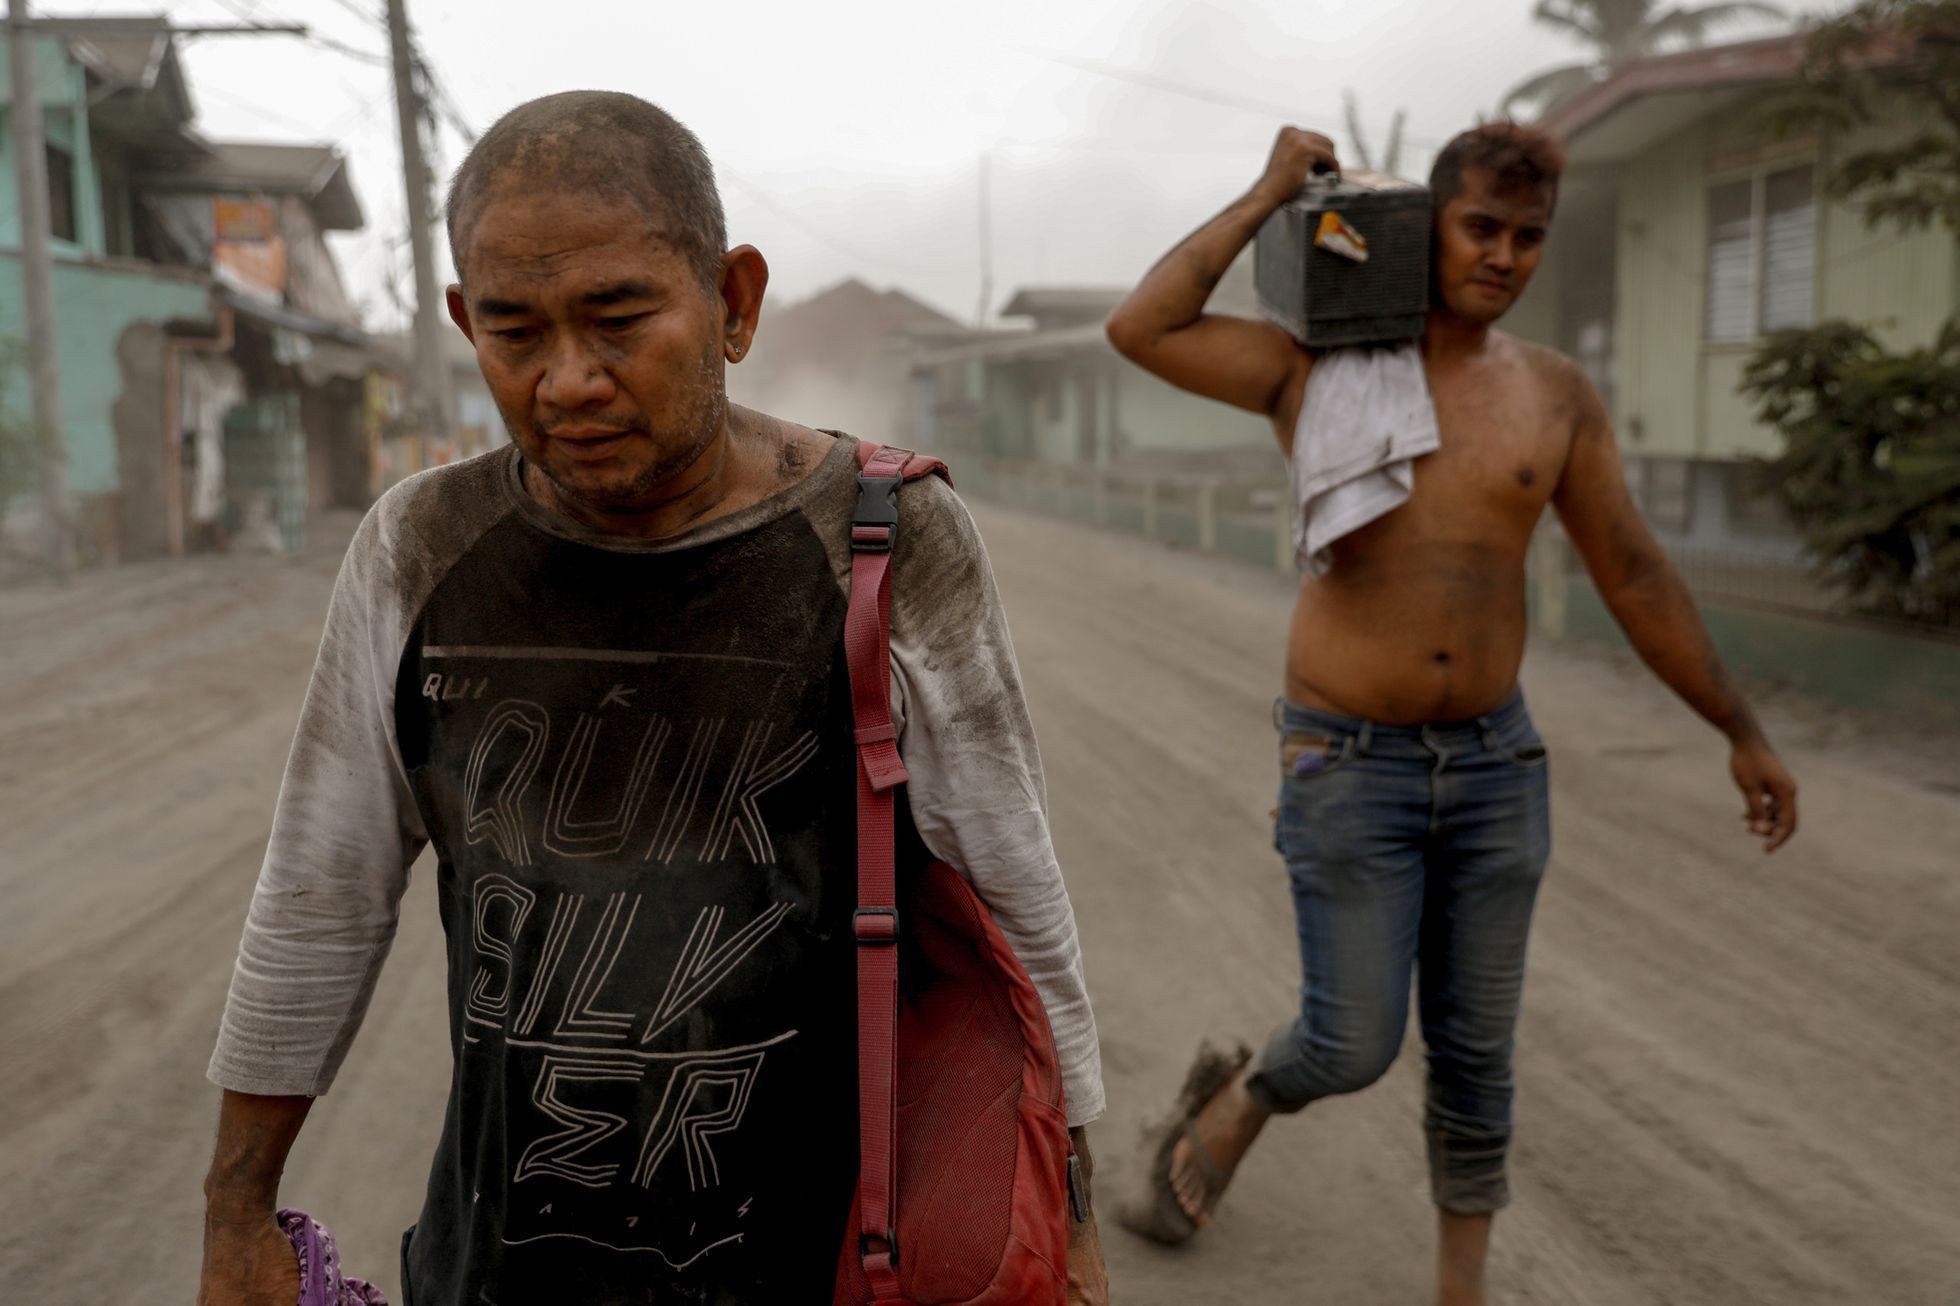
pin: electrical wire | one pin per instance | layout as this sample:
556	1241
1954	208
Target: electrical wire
766	201
365	15
256	13
309	130
1171	86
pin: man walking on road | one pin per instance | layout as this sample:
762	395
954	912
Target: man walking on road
602	670
1414	803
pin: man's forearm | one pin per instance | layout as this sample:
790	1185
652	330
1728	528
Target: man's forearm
255	1134
1661	621
1173	294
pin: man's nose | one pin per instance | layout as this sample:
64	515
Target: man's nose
573	379
1503	255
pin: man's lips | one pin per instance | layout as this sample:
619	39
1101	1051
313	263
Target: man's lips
587	444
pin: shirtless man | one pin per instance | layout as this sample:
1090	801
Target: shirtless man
1413	813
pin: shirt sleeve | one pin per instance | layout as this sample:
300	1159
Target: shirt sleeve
976	789
344	833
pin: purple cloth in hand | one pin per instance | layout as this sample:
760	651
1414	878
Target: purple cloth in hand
320	1281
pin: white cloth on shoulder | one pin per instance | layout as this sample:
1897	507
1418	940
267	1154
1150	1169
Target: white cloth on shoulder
1366	417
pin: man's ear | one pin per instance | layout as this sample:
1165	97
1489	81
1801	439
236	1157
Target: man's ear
744	281
459	312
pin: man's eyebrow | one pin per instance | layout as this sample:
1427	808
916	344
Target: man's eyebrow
619	292
487	307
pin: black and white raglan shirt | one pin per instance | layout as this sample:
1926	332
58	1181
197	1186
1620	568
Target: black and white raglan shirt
636	763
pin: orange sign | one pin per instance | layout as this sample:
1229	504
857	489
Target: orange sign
247	221
247	250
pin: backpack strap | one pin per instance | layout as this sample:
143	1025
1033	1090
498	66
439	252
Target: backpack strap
867	649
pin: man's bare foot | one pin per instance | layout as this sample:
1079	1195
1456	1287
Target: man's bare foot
1462	1246
1226	1127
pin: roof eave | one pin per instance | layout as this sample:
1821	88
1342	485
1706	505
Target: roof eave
1703	69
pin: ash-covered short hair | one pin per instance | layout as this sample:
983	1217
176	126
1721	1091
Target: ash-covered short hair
1522	158
604	143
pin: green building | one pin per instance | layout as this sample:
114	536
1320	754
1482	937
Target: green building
1055	390
1686	231
211	362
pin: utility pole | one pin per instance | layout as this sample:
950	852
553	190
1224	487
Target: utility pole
37	284
986	240
432	390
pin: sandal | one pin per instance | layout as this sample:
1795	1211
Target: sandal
1157	1214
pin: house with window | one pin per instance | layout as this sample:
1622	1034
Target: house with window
1686	232
1047	387
213	368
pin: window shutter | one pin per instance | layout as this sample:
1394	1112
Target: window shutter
1789	248
1731	261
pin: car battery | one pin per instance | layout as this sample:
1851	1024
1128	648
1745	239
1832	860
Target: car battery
1346	261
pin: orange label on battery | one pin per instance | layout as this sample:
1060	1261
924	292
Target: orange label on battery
1337	237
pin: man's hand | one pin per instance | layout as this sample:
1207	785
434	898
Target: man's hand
248	1261
1767	790
1162	326
1088	1280
1297	153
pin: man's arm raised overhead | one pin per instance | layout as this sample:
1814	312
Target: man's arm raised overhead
1162	325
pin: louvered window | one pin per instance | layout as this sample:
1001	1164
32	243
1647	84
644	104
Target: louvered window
1789	248
1762	254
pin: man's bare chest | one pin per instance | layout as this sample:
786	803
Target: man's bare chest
1503	449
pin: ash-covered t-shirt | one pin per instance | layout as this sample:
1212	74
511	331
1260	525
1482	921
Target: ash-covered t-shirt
635	762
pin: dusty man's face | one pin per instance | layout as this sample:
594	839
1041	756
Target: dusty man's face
601	345
1487	246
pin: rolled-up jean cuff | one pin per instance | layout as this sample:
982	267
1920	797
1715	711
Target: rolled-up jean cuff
1281	1048
1488	1203
1469	1179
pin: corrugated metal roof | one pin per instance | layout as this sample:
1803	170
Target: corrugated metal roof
1064	301
316	173
1003	346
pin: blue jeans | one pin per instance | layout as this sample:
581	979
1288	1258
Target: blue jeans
1412	848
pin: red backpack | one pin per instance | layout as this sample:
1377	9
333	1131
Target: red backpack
964	1154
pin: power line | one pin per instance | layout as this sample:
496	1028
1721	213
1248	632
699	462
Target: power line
253	15
375	20
1171	86
439	97
802	224
307	129
352	52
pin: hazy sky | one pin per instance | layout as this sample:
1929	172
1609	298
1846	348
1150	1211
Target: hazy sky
848	133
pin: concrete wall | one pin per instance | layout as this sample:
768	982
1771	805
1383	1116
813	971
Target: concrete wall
63	91
1714	525
1855	665
1004	430
1051	411
144	466
1903	287
95	303
1658	283
1154	415
1677	394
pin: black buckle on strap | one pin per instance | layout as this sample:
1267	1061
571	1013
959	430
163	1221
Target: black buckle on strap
877	508
890	1240
875	927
